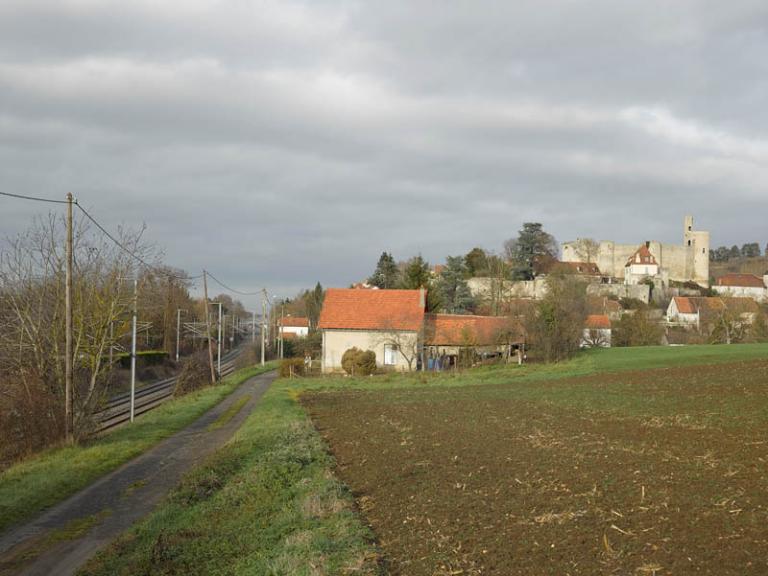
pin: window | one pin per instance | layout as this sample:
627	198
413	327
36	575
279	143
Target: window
390	354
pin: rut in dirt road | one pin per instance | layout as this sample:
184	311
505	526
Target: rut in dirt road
65	537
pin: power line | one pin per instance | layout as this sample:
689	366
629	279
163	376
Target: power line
241	293
131	252
36	199
127	250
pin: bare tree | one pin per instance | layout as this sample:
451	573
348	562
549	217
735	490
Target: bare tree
32	270
587	249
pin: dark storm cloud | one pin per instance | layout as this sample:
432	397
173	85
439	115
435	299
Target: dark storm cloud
282	143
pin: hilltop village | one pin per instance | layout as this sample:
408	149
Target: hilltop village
485	307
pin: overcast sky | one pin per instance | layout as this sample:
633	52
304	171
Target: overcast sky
281	143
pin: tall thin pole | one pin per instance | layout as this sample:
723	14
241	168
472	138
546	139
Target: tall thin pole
263	328
178	332
218	357
253	327
68	360
133	349
282	320
208	328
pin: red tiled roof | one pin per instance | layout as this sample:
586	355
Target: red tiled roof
466	330
741	281
585	268
295	322
350	309
597	322
642	256
692	304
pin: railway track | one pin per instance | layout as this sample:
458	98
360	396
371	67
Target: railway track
118	408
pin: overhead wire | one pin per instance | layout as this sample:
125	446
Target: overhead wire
131	252
127	250
35	198
240	292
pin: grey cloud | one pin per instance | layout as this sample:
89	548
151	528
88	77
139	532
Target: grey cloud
280	143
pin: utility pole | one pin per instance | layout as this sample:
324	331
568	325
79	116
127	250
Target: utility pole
253	327
208	328
68	361
263	328
133	347
218	357
282	320
178	331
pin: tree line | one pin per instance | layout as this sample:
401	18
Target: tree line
749	250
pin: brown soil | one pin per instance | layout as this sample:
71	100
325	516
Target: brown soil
656	472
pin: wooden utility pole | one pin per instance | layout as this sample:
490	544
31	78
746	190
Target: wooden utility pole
263	323
68	360
208	328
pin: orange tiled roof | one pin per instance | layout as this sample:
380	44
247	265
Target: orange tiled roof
597	322
741	281
350	309
642	256
585	268
692	304
295	322
467	330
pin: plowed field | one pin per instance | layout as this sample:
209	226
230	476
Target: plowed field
647	472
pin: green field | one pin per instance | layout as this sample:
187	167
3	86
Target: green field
270	502
41	481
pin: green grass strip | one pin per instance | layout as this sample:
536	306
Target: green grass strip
43	480
229	414
266	503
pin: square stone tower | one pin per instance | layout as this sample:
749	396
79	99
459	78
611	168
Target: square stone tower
696	243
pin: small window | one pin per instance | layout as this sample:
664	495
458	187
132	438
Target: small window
390	354
689	242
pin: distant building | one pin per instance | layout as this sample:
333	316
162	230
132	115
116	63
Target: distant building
597	332
743	285
698	311
641	265
389	322
682	263
447	335
294	326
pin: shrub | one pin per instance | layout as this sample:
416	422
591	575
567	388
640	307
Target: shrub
359	362
292	367
195	374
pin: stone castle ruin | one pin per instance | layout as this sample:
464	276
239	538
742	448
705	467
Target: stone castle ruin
682	263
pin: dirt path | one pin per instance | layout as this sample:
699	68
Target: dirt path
63	538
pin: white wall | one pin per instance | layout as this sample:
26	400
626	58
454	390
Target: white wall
298	330
336	342
759	294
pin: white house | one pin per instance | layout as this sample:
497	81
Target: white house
597	332
389	322
743	286
294	326
642	264
698	311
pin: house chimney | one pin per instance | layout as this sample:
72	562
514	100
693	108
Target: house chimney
422	297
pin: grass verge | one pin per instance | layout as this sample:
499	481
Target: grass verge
41	481
268	502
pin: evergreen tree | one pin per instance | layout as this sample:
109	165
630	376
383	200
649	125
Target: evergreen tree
454	292
750	250
533	246
313	301
386	274
734	252
476	261
416	274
